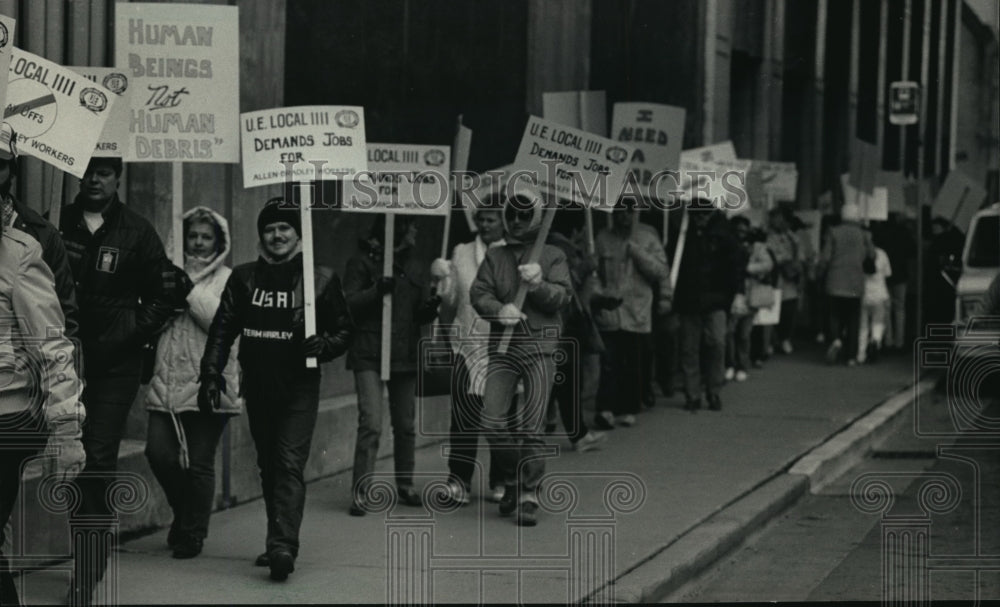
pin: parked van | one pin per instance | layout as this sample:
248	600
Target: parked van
980	262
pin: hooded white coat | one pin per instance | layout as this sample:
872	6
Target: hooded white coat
174	387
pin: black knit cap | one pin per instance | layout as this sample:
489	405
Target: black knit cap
276	210
115	164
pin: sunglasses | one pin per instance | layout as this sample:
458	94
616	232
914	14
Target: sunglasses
519	215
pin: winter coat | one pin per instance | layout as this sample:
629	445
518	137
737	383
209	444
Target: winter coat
711	270
497	284
456	309
262	304
843	257
54	254
577	317
29	306
876	285
174	387
759	264
409	312
633	276
788	257
122	289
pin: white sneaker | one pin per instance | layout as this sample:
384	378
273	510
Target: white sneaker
730	372
820	338
786	347
590	441
625	420
495	494
741	376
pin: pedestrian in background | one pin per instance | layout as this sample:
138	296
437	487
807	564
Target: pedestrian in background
896	239
454	279
517	438
632	265
873	309
125	289
784	245
263	305
758	267
843	258
182	437
711	274
413	305
579	327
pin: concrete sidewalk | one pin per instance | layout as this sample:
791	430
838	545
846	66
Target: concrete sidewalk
614	522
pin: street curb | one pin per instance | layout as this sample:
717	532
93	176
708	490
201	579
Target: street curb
695	550
843	450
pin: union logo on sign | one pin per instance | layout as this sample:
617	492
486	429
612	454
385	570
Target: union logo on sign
617	155
116	83
4	36
347	119
93	99
434	158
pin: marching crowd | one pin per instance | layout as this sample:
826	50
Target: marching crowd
649	306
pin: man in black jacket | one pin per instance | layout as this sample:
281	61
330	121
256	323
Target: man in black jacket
710	275
122	285
262	304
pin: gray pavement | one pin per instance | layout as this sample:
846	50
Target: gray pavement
608	512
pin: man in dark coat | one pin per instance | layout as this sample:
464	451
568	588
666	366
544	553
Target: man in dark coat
710	276
263	305
123	288
413	305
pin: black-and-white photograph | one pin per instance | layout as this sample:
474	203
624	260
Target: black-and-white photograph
499	301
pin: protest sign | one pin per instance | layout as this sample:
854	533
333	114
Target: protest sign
6	44
402	178
724	182
959	199
572	164
874	206
892	181
58	115
585	110
864	163
461	147
710	153
115	136
302	143
656	131
183	64
777	179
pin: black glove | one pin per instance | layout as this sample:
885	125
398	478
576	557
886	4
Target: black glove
605	302
428	309
385	284
210	393
313	346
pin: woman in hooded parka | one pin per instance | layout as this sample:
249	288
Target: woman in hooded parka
182	438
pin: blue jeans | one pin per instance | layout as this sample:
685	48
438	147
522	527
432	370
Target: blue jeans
402	394
703	351
516	436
